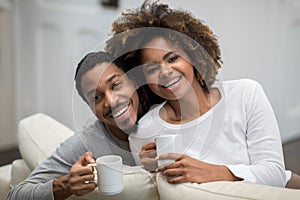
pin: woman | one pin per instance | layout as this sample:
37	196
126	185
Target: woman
228	127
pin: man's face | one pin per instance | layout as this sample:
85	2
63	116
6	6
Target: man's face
111	95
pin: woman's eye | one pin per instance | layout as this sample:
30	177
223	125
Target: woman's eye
173	58
152	69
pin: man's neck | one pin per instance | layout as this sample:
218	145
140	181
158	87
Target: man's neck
118	133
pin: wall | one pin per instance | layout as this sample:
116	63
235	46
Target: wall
50	39
259	40
7	137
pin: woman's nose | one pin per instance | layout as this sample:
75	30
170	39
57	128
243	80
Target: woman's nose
165	71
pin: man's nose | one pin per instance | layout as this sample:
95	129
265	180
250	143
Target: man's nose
111	99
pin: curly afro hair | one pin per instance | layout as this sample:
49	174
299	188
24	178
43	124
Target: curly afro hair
135	28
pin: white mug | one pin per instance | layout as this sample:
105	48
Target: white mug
109	174
168	144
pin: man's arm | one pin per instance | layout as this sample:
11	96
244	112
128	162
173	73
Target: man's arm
75	181
61	188
39	184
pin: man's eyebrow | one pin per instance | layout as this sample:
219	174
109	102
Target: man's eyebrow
94	90
111	78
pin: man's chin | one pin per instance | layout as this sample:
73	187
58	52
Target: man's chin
130	130
127	126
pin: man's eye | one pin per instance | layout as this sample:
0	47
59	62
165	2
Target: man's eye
173	58
97	98
117	85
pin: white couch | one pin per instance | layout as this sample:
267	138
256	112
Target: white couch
39	135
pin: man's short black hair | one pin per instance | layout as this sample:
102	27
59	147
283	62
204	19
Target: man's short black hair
87	63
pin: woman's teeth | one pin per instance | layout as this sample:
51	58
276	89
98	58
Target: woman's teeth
172	82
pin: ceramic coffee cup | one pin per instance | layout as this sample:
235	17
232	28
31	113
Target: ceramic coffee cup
168	144
109	174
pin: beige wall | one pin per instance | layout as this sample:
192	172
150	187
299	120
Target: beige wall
7	138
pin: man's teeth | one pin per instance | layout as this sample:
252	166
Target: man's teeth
172	82
120	112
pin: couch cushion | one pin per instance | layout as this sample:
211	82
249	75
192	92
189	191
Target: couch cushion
39	135
139	184
223	191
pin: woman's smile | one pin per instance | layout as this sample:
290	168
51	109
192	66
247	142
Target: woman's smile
172	84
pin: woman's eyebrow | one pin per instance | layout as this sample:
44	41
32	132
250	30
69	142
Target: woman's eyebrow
167	55
163	58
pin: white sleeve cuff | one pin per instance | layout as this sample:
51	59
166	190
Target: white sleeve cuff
288	176
242	171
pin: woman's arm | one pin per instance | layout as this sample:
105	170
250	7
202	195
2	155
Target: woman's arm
263	141
294	182
187	169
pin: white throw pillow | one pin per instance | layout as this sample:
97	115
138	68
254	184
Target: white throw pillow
39	135
223	190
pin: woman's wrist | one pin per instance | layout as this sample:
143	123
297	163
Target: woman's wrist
228	175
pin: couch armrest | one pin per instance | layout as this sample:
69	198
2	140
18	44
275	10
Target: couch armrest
11	175
19	172
4	181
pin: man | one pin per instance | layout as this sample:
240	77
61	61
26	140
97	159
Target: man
115	101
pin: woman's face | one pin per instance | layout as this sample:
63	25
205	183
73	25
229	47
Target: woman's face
167	71
111	95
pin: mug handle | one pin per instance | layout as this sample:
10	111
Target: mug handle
95	173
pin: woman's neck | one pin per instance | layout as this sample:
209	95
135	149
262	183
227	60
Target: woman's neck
190	107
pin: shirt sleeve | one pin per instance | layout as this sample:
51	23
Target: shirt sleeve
39	184
263	141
